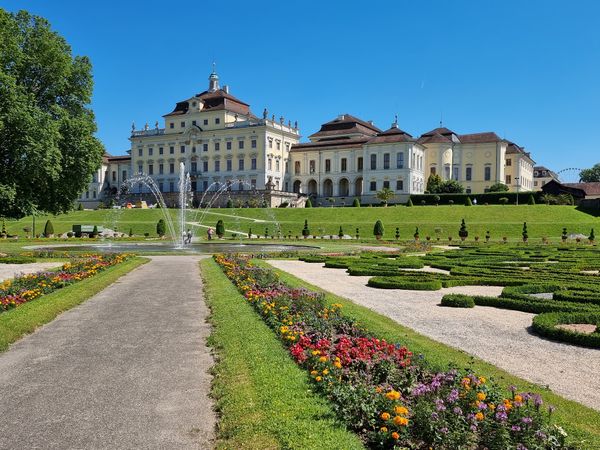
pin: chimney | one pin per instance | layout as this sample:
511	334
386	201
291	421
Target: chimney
342	117
370	122
226	89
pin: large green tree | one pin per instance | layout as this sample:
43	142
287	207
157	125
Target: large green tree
48	151
590	175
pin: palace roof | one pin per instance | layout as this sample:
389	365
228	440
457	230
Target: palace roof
394	134
212	101
345	124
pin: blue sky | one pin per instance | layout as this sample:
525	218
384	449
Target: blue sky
527	70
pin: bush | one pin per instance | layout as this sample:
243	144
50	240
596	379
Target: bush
469	202
378	229
48	229
229	203
308	203
503	200
409	203
356	203
463	233
161	227
131	232
17	260
391	282
70	234
592	237
80	207
524	232
458	301
546	325
341	233
531	200
220	229
498	187
305	230
95	231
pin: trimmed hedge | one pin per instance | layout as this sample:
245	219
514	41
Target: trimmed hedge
402	283
492	198
458	301
17	260
546	325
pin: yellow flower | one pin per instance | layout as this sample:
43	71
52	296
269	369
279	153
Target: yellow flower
337	365
325	371
323	359
481	396
518	398
318	378
482	380
313	372
316	352
479	416
385	416
395	436
401	410
400	421
393	395
383	429
283	329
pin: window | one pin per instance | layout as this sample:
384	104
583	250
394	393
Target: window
193	149
386	161
253	183
205	166
204	147
150	151
253	143
161	168
217	146
373	186
94	194
171	167
114	175
535	183
228	145
140	168
432	171
87	194
193	122
217	121
278	145
253	164
270	143
240	145
194	186
488	173
241	186
140	152
311	166
327	165
217	166
171	125
296	167
469	174
161	186
344	164
124	177
150	169
205	185
194	167
182	124
171	186
509	162
160	150
468	190
399	185
455	173
229	165
182	149
171	150
359	164
386	184
400	160
447	171
205	122
373	162
277	165
270	164
241	164
508	179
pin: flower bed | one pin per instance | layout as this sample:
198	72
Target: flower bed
26	288
377	388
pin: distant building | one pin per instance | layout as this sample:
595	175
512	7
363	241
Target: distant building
541	176
106	181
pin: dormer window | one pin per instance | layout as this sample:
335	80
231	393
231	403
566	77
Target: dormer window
193	104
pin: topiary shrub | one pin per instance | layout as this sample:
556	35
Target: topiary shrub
80	207
409	203
341	233
95	231
458	301
531	200
249	233
397	233
524	232
378	229
305	230
487	236
564	235
463	233
356	203
220	229
416	234
592	237
131	232
503	200
229	203
357	233
547	324
468	202
49	229
161	228
308	203
436	199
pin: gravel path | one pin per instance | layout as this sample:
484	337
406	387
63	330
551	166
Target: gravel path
498	336
127	369
10	270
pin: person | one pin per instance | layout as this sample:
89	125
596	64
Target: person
209	232
189	236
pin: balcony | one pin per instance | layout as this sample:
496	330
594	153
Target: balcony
144	133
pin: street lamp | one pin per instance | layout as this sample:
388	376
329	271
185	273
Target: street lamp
517	180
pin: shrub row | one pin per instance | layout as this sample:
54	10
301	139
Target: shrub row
458	301
402	283
492	198
17	260
546	325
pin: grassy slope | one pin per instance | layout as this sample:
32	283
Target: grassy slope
581	423
263	397
17	322
507	220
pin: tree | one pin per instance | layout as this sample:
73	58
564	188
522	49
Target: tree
378	229
48	229
590	175
95	231
308	203
385	194
220	229
451	187
356	203
161	228
433	183
130	232
498	187
305	230
463	233
48	151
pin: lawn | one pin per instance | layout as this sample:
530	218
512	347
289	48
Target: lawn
542	220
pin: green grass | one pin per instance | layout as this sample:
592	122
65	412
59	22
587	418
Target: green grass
582	423
263	397
17	322
542	220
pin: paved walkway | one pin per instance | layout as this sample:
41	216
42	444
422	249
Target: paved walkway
11	270
127	369
498	336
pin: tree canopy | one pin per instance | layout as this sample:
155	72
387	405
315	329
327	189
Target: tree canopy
590	175
48	151
498	187
385	195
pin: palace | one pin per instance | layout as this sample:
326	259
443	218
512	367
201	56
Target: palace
225	147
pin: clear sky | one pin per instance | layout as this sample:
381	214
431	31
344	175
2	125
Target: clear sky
528	70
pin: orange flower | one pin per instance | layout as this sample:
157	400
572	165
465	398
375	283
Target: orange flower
518	398
318	379
401	410
385	416
395	435
479	416
481	396
400	421
383	429
393	395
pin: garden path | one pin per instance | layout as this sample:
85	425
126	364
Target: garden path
498	336
128	368
11	270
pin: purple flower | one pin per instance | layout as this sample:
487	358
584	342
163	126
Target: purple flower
551	409
521	447
501	416
515	428
439	404
434	416
444	430
537	400
473	427
482	406
512	388
540	435
457	411
453	396
527	420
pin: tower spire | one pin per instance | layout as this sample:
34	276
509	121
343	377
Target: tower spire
213	79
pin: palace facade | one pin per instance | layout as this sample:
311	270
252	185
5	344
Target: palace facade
225	147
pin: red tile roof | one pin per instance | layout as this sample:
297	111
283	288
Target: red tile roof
217	100
479	138
392	135
345	124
